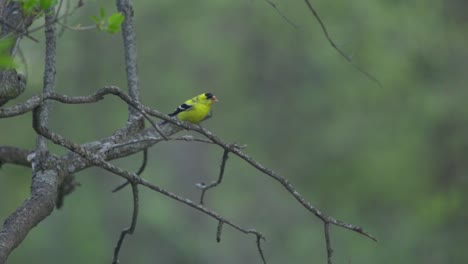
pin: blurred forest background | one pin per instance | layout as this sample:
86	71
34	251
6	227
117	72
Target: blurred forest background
392	160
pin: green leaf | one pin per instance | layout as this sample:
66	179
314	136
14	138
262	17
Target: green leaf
6	62
102	12
46	4
28	5
6	44
114	22
96	19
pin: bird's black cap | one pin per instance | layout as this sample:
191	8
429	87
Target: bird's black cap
209	95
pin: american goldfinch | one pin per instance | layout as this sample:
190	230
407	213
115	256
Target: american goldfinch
194	110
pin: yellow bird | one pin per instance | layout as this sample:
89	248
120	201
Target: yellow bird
194	110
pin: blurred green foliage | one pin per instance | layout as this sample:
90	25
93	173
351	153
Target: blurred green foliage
111	24
6	61
36	6
392	160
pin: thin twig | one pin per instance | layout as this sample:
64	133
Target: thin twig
16	46
131	229
328	242
219	230
187	138
18	31
213	184
69	13
282	180
58	9
332	43
259	247
65	19
139	172
77	28
281	14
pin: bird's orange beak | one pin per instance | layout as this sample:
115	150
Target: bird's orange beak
214	99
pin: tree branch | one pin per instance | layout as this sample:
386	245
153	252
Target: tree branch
15	156
33	210
49	73
275	6
175	127
139	172
97	160
204	187
39	99
129	38
45	181
326	227
335	47
132	139
131	229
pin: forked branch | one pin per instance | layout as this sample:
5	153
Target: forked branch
97	160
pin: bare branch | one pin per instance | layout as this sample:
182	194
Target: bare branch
20	109
131	229
230	147
38	100
218	231
59	7
153	140
328	242
65	19
332	43
17	30
283	181
139	172
129	38
49	73
14	155
45	181
50	172
99	161
204	187
77	28
146	138
259	247
281	14
33	210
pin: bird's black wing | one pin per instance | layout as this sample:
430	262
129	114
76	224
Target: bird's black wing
181	108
